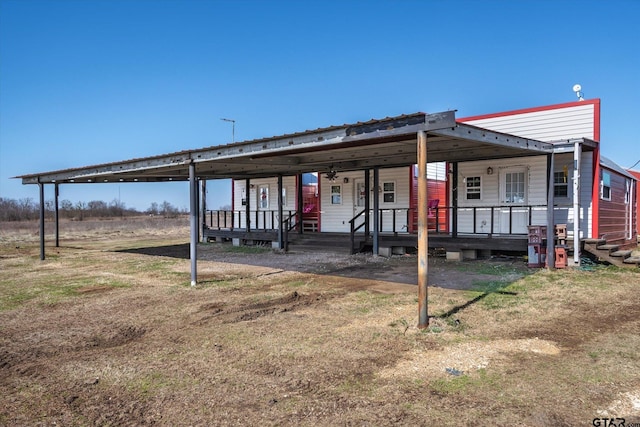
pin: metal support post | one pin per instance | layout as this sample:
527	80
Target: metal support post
577	154
376	210
367	203
203	206
57	214
247	207
41	185
193	214
280	214
300	204
454	201
551	247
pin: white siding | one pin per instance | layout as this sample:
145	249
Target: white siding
336	217
266	217
546	125
536	181
563	213
535	169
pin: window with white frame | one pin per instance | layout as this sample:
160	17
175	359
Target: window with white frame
284	196
473	188
560	185
388	192
605	186
263	197
514	187
336	194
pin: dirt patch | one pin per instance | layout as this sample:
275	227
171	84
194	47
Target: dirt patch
465	358
246	311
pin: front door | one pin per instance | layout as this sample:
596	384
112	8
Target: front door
514	214
359	198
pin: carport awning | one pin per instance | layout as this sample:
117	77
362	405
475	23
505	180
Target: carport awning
390	142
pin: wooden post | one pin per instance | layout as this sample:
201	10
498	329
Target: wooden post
423	235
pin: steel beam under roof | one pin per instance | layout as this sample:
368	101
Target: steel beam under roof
389	142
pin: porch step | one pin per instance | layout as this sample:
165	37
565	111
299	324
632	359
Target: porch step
595	242
634	260
320	242
610	253
610	248
621	254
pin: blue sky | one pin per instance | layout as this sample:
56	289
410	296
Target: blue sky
87	82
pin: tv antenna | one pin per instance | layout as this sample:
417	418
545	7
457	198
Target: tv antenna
578	90
233	128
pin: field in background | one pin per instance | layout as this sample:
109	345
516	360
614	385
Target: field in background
102	333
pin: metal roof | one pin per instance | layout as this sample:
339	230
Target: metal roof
610	164
389	142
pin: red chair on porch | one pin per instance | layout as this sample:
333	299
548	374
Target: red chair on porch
431	207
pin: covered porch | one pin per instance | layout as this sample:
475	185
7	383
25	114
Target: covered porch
367	146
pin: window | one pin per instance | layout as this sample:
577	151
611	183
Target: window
388	192
473	188
560	186
284	196
336	194
361	196
514	187
605	186
263	197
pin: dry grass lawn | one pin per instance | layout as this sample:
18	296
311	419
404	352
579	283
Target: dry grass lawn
95	335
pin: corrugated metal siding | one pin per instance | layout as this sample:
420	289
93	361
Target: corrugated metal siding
586	206
613	221
547	125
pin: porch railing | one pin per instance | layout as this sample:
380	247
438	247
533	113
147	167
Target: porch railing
480	220
490	220
259	220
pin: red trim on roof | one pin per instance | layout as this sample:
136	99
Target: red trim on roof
595	102
595	195
596	120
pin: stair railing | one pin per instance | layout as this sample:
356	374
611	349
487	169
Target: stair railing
354	228
289	224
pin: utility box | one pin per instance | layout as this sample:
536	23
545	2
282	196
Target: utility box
561	257
537	255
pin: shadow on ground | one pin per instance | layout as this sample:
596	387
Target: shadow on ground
488	275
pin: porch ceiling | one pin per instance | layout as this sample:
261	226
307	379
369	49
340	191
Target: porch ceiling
390	142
